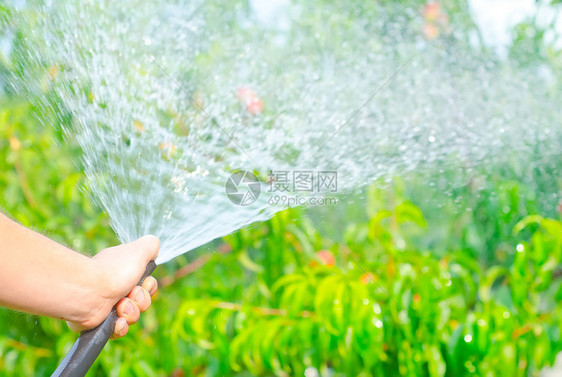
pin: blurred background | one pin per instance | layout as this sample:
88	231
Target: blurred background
399	279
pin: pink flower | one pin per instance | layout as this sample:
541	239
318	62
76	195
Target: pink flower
252	103
432	11
436	20
430	31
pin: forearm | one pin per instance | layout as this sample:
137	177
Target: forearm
43	277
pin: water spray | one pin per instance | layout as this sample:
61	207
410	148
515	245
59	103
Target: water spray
169	101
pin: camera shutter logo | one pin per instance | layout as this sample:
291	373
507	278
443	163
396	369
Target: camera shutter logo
243	188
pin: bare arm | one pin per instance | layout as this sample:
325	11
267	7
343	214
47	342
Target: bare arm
40	276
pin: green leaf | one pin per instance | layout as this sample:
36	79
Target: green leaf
436	363
245	261
407	211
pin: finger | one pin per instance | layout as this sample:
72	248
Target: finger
126	308
141	297
121	329
148	246
150	284
75	326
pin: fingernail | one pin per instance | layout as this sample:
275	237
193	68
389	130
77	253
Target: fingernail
139	297
128	308
150	285
118	326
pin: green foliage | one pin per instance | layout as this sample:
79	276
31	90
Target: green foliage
395	310
537	38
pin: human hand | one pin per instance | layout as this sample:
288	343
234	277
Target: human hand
120	269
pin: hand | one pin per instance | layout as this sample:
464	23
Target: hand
119	269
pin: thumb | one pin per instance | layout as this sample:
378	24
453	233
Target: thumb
125	264
147	246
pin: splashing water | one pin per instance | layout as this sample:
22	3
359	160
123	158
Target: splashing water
170	100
